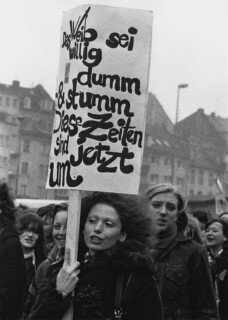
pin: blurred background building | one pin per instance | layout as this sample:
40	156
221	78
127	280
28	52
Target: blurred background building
191	153
26	116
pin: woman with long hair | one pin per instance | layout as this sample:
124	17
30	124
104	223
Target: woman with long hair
31	235
115	276
58	225
12	267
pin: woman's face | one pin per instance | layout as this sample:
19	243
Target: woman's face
102	228
214	235
28	239
59	229
163	208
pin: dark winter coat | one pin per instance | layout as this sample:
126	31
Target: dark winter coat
95	292
185	281
12	273
219	267
37	280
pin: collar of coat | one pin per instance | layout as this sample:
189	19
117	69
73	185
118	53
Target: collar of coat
130	255
180	238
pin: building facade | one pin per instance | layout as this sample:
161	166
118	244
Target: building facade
25	134
192	154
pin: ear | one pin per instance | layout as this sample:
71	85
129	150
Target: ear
123	237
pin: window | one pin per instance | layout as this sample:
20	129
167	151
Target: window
61	193
13	142
1	140
199	193
180	181
179	163
23	190
46	105
158	142
27	103
5	160
26	146
41	170
24	169
211	179
45	148
7	101
15	102
166	143
21	102
1	100
167	179
154	178
40	192
167	162
191	192
200	177
192	176
155	159
7	139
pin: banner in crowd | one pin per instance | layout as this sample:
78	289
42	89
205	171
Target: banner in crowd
221	204
101	96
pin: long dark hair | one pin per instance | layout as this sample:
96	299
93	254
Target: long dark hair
6	205
130	209
31	221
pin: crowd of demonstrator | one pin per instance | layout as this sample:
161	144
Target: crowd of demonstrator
145	257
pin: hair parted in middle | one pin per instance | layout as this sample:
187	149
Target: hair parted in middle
130	209
31	221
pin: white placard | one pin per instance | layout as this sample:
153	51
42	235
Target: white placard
101	97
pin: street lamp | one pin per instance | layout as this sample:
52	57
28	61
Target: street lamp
180	86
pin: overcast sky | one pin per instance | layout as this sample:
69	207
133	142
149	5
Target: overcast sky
189	45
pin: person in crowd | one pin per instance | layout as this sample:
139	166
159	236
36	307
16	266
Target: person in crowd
115	279
184	275
46	214
203	218
224	216
217	243
12	267
193	230
59	225
31	234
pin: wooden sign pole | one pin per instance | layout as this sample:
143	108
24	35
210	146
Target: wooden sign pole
73	223
72	236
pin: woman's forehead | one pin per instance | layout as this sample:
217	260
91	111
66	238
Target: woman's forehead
167	196
215	224
104	210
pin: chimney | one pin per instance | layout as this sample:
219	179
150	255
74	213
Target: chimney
213	114
16	83
201	110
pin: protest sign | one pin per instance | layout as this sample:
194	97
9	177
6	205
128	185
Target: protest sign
100	106
221	204
101	97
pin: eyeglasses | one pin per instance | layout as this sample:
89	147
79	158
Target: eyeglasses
169	206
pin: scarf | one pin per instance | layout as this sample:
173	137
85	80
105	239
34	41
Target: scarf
165	237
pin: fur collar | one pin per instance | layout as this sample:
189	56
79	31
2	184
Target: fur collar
129	255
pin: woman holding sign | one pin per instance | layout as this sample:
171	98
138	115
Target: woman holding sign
115	278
